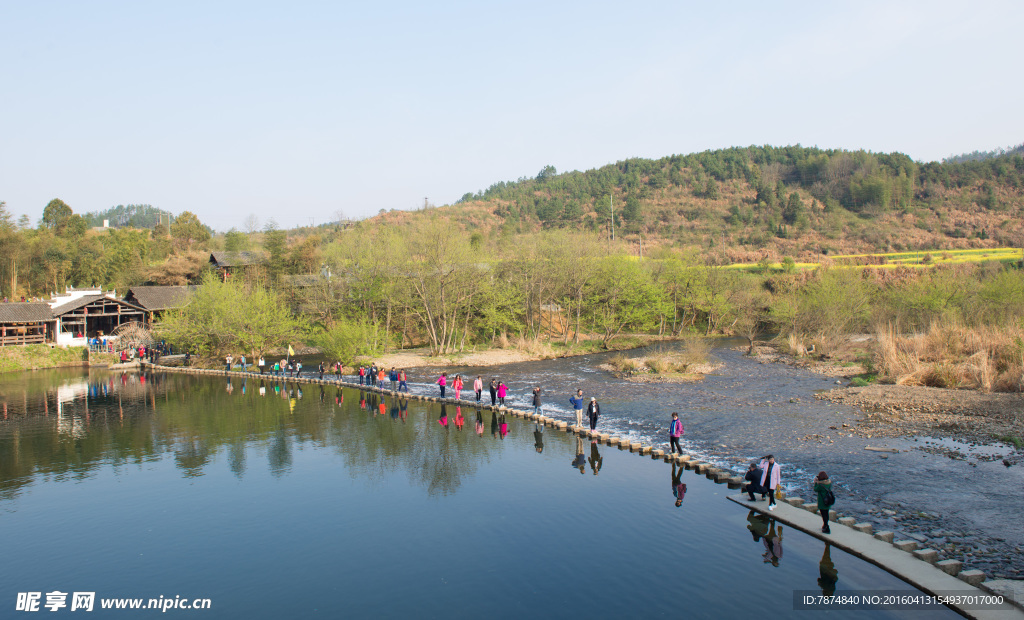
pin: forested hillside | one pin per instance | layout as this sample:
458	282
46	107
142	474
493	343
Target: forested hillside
742	202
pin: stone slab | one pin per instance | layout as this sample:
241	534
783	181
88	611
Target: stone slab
928	555
885	536
950	567
905	545
863	527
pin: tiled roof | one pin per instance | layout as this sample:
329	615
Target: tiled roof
88	299
236	259
159	297
30	312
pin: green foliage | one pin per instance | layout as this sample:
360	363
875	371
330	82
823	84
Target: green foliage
187	231
222	318
129	216
235	241
346	340
275	242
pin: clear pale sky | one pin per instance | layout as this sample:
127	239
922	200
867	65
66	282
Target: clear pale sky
296	110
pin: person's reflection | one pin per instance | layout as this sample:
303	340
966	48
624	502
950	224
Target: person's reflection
494	424
580	462
229	388
394	410
829	574
772	545
263	390
403	410
538	437
504	426
678	488
479	423
362	402
596	460
443	418
757	524
459	420
322	394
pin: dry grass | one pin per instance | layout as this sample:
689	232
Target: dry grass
695	350
623	364
952	355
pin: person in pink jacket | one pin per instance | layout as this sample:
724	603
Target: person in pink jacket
478	387
457	386
770	476
442	381
502	391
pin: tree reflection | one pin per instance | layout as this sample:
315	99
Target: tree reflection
80	421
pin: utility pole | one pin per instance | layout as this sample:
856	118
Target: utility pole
611	207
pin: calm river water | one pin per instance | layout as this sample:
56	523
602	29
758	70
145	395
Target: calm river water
289	503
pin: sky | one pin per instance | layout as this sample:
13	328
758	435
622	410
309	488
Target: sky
303	111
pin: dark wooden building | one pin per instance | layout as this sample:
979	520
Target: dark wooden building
228	263
26	323
156	300
90	316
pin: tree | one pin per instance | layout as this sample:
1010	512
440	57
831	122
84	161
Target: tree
188	230
275	242
56	215
347	340
235	241
794	208
230	317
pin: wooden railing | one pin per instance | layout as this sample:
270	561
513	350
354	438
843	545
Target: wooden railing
19	339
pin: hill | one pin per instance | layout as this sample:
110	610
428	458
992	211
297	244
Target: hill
741	203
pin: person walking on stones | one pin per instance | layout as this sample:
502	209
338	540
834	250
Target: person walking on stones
262	364
241	361
502	392
753	477
593	412
402	384
442	382
675	431
381	375
823	489
393	377
478	387
362	374
229	359
577	406
457	386
770	480
494	392
536	400
321	369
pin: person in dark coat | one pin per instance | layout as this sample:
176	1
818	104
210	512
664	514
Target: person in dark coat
593	412
753	477
822	485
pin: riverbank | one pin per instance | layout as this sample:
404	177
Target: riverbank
910	410
39	356
530	352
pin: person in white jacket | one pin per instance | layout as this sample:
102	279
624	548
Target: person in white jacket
770	478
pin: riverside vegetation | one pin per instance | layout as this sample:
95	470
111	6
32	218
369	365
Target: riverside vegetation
533	264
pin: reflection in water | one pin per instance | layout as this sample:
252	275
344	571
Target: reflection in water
757	524
772	544
595	457
580	462
828	575
538	436
479	423
678	488
57	422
